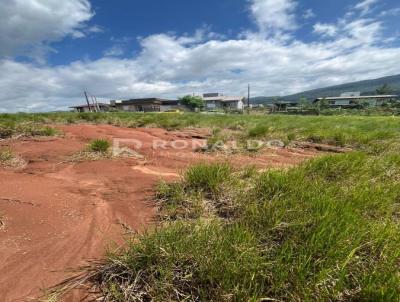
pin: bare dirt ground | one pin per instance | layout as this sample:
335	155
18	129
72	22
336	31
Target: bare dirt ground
58	214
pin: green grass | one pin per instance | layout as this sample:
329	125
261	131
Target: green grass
12	125
356	131
325	231
99	145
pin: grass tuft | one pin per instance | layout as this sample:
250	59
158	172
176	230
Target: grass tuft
207	178
6	155
99	145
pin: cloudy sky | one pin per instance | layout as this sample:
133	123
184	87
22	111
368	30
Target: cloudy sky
52	50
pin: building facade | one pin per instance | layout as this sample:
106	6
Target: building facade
214	101
355	99
145	105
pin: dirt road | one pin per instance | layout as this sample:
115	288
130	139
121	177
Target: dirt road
58	214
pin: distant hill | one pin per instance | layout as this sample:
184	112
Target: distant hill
367	87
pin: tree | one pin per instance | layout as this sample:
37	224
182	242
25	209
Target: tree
323	104
385	89
193	102
304	104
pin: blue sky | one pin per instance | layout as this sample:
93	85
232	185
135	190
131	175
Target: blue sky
51	50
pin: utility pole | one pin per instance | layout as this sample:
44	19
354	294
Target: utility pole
248	99
87	101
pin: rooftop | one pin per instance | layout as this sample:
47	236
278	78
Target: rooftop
224	98
361	97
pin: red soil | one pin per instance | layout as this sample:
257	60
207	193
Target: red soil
58	214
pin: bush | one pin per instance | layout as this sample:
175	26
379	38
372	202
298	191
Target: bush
99	145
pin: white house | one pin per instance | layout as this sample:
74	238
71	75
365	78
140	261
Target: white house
219	101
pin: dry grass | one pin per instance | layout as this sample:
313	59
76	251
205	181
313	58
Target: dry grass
9	160
86	155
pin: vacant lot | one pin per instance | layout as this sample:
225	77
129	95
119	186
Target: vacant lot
233	227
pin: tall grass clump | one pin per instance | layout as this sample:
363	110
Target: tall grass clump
207	178
99	145
257	131
198	194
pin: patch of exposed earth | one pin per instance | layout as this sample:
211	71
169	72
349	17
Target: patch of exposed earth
56	214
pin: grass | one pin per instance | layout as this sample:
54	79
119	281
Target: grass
28	128
97	149
9	159
99	145
355	131
324	231
6	155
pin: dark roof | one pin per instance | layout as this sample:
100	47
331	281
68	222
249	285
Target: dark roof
286	103
146	101
170	102
141	101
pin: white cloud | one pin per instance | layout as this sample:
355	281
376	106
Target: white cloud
114	51
274	15
326	30
171	65
27	23
365	6
308	14
390	12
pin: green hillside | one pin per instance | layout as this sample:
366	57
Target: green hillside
366	87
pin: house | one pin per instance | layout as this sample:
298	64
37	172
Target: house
355	99
145	105
91	108
218	101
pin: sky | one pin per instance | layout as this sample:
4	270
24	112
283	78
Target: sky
52	50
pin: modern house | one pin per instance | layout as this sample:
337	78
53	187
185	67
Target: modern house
145	105
218	101
91	108
355	99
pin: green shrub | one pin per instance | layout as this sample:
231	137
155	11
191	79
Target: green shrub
99	145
